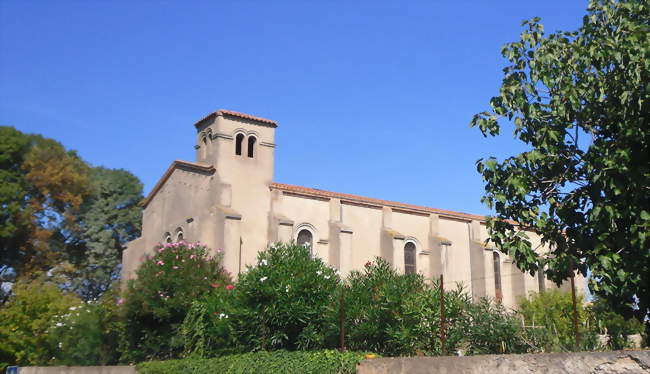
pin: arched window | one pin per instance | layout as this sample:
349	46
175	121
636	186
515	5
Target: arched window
496	260
204	147
409	258
167	237
179	234
239	140
251	146
305	238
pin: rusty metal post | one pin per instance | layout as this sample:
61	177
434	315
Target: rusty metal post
442	317
575	308
342	320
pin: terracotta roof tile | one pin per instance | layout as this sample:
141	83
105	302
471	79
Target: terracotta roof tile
367	200
224	112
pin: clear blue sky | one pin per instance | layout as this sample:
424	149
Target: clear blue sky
372	97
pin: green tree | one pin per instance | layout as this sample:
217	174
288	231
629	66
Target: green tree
25	321
551	313
43	186
108	218
15	219
579	101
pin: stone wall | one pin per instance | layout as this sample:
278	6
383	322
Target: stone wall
571	363
78	370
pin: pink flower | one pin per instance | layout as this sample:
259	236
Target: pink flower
174	267
230	287
161	249
160	262
214	285
120	301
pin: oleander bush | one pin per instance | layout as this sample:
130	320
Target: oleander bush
488	328
262	362
398	314
286	301
157	301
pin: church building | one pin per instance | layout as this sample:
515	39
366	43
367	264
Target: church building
229	200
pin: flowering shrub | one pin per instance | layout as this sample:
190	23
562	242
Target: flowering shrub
286	301
157	301
25	320
87	333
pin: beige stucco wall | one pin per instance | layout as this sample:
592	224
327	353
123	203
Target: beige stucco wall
237	208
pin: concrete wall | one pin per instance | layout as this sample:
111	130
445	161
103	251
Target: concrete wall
560	363
78	370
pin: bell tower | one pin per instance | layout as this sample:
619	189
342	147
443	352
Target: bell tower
241	147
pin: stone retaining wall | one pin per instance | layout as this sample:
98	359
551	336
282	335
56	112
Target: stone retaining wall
78	370
571	363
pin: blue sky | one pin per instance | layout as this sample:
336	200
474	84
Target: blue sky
372	97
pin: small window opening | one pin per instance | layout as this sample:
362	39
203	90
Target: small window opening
409	258
239	140
204	147
251	146
305	238
179	238
496	259
168	238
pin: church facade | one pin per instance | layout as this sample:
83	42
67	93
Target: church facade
228	200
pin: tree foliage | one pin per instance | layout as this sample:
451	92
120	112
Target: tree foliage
579	100
108	219
25	320
61	215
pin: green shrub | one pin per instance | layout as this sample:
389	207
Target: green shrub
612	324
284	302
397	314
25	320
277	362
488	328
87	334
157	301
551	312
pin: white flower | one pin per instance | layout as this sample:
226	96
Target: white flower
60	345
73	308
327	277
286	289
222	315
263	262
59	324
263	279
319	272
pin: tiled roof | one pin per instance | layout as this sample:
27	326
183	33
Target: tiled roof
299	190
223	112
176	164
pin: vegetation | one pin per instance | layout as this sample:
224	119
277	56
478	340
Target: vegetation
280	362
287	301
61	215
26	320
157	301
550	317
579	101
